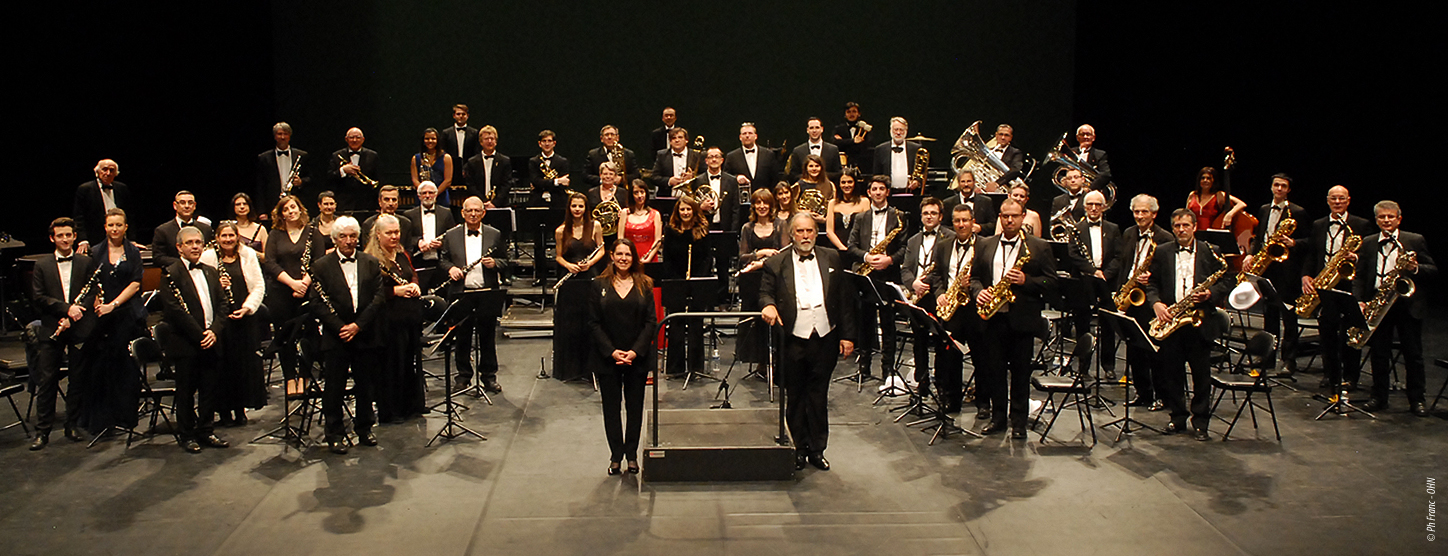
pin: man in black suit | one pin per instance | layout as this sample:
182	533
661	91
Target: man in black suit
896	158
675	166
1177	269
429	222
804	289
754	166
1377	261
1097	268
346	294
610	151
1137	244
1086	154
461	141
1074	198
352	163
954	255
870	230
279	172
726	214
163	240
816	145
387	200
489	172
1011	156
1283	275
93	199
194	307
659	137
853	137
548	191
461	247
966	193
1340	363
55	285
1010	332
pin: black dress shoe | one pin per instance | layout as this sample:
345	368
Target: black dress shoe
212	441
799	461
1156	406
492	386
1173	428
41	439
191	447
633	467
1139	402
613	469
1419	409
74	435
993	428
982	414
337	447
1374	406
366	437
1018	434
819	461
1201	435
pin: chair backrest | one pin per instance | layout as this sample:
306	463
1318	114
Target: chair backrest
433	308
1261	349
1085	346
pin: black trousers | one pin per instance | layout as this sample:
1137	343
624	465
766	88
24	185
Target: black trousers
806	366
1008	366
1277	318
871	316
950	364
622	387
1339	362
197	379
363	364
1144	363
46	378
485	324
1186	347
283	310
1410	335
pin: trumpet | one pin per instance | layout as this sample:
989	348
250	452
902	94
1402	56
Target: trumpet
1130	294
1395	285
1000	292
547	170
1274	250
361	177
1337	269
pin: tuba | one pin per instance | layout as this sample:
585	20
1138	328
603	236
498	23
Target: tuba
1337	269
971	153
1066	162
1395	285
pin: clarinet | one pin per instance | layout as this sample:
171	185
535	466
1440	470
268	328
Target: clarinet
307	252
221	267
466	270
84	291
176	291
322	292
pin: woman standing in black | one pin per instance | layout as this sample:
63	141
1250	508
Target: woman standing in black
687	254
242	384
622	320
290	250
579	241
112	382
399	383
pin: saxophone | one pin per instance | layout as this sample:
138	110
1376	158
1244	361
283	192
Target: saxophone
1338	268
910	296
1274	250
1395	285
1000	292
864	269
1130	294
1184	311
958	293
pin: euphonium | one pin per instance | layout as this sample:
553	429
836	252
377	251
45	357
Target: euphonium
1185	311
360	176
1000	292
1395	285
1274	250
1130	294
971	153
1337	269
607	214
863	268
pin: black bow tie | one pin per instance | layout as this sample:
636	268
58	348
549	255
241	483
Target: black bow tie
748	151
961	245
882	211
64	259
1008	243
1145	237
346	260
284	153
897	149
188	223
714	177
814	147
428	211
1096	223
1277	208
927	233
678	155
1339	223
461	128
488	156
107	187
809	257
546	158
349	153
1387	241
192	266
472	233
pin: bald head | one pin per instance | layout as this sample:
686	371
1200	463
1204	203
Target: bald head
1338	199
473	211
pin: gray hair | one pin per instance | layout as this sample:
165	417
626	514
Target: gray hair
426	183
791	225
345	223
1148	199
1387	205
188	231
282	126
1097	194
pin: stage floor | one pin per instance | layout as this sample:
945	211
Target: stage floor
537	486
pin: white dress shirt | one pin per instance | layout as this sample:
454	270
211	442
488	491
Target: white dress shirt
462	135
960	257
1186	271
429	229
66	267
809	293
1337	231
899	167
203	293
680	160
751	158
349	272
474	249
1095	232
284	168
1275	216
1006	255
1387	256
108	196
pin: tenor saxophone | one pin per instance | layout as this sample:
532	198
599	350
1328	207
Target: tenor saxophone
1000	292
864	269
1338	268
1274	250
1184	311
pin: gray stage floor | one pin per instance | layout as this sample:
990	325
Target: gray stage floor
537	486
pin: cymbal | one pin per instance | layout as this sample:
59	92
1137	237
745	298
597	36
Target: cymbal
919	138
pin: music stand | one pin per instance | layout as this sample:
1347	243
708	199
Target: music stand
866	287
889	294
944	424
748	286
1223	240
1128	330
693	294
452	429
1339	404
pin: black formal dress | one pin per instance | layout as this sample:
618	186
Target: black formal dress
108	375
456	254
625	323
270	168
1010	332
52	301
752	344
400	389
362	355
190	314
243	384
1188	345
163	241
284	255
1376	260
89	210
570	314
678	264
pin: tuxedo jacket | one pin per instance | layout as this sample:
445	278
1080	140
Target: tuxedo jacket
1129	243
1365	285
659	138
1015	160
776	287
860	241
1096	160
404	224
880	164
1316	250
966	319
541	185
599	156
455	254
48	297
89	211
1290	268
911	263
664	169
163	241
447	138
1162	285
828	151
857	153
1060	201
1025	314
1110	251
769	169
269	181
501	178
352	194
327	276
188	321
730	213
982	208
444	221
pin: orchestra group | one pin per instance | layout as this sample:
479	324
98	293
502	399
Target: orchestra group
294	266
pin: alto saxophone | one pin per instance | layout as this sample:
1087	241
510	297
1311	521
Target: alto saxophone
1338	268
1000	292
1130	294
910	296
863	268
958	293
1184	311
1395	285
1274	250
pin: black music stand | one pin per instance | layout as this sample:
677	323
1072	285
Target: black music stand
1223	240
725	246
543	220
452	429
1339	404
694	295
866	287
747	284
1129	331
450	317
889	295
1053	347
